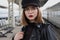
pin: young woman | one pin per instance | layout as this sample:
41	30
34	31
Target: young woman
34	27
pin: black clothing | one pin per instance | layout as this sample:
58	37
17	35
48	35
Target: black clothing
41	31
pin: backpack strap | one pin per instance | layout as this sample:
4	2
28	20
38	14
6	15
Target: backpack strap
27	32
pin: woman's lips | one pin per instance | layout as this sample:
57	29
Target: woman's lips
30	15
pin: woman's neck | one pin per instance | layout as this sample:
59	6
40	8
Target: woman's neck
32	21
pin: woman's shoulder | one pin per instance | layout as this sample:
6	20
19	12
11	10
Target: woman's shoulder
45	25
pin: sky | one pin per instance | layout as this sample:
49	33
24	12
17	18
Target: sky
5	3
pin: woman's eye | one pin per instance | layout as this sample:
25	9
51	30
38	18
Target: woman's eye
26	9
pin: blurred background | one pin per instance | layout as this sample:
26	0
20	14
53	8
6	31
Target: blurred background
11	11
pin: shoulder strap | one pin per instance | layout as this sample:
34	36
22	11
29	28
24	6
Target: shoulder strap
27	33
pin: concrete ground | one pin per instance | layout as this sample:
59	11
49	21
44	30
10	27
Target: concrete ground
10	35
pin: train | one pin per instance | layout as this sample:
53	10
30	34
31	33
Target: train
53	17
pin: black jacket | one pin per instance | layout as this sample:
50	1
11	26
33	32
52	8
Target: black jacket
39	32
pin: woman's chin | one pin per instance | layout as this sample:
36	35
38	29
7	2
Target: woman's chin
31	19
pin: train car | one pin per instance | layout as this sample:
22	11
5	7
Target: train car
53	14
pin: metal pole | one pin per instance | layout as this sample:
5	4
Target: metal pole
10	14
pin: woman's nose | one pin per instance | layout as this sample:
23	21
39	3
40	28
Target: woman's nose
30	11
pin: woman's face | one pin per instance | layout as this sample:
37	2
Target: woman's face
31	12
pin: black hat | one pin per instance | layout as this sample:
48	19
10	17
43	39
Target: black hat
26	3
